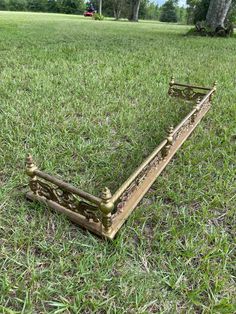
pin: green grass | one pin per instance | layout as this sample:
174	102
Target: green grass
89	100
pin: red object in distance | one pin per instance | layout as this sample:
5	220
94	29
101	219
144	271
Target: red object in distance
87	13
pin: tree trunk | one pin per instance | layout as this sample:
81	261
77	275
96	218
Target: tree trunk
117	13
135	4
100	7
217	13
117	5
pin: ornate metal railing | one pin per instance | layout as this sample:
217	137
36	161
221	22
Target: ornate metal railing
106	214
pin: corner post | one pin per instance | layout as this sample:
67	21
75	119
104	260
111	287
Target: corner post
106	207
30	171
172	82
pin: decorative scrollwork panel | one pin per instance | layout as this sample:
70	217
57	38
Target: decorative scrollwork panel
186	93
65	199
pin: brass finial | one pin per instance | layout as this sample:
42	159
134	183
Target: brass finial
29	160
170	135
106	207
106	194
171	89
214	85
170	139
197	107
30	166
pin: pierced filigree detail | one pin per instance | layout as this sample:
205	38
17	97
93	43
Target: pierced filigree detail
153	164
65	199
188	124
33	185
186	93
184	128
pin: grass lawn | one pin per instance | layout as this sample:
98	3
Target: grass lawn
89	100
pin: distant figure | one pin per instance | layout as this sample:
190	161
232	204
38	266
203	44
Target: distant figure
90	9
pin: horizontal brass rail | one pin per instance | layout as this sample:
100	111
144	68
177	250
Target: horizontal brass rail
127	183
68	187
179	126
191	86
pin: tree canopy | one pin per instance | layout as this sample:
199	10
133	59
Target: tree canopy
56	6
168	12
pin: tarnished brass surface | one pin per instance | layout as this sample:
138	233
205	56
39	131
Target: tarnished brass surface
187	92
106	214
68	187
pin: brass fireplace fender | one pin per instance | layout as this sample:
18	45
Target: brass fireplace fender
106	214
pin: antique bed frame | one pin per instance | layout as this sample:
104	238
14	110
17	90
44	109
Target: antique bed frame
106	214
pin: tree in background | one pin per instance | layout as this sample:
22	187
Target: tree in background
62	6
134	10
131	9
3	5
197	10
201	11
191	9
212	17
71	6
217	13
53	6
17	5
107	7
168	12
113	8
125	9
37	6
232	13
152	11
181	15
118	6
100	7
